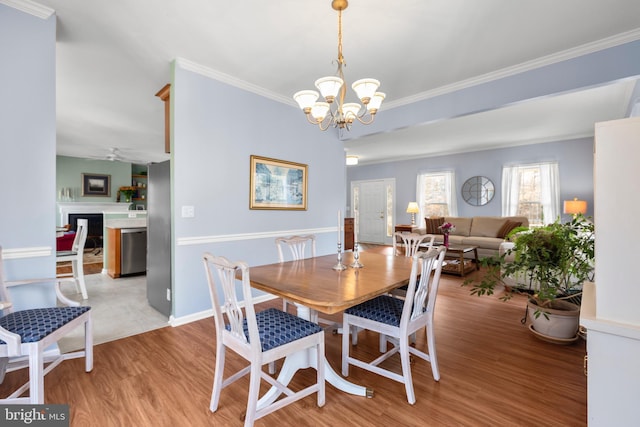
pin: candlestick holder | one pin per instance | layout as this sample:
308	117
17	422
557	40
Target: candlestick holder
356	257
339	266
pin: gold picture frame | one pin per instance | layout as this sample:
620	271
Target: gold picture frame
277	184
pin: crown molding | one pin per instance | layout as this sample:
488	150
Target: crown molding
30	7
554	58
230	80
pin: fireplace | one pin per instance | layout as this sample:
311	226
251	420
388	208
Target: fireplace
70	212
94	230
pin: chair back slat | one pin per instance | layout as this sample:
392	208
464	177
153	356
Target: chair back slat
80	239
222	277
412	242
296	245
423	285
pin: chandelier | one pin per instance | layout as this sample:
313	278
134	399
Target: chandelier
334	111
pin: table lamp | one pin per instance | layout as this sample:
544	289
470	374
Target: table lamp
413	209
575	207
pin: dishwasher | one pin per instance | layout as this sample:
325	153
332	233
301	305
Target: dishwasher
133	251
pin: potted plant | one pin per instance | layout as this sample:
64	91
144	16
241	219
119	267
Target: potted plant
549	263
127	192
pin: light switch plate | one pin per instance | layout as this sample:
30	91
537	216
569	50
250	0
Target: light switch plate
188	212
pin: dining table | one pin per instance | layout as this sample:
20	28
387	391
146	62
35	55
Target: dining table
313	285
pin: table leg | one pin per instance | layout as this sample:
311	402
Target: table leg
475	254
308	359
461	265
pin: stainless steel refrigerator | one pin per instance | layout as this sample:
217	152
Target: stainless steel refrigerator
159	289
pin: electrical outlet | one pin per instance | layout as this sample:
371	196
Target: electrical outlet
132	214
188	212
168	294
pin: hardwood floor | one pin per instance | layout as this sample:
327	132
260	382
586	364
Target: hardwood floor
494	372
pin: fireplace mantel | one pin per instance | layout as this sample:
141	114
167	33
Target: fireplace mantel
66	208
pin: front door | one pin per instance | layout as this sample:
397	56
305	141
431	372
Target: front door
370	202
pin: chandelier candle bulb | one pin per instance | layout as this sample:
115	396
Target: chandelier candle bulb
339	229
355	234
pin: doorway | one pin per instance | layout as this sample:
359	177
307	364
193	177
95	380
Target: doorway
372	204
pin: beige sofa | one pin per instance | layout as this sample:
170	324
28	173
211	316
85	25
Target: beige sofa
485	232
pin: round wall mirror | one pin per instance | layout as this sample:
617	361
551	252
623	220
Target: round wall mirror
478	190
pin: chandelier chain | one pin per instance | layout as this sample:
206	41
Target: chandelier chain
340	57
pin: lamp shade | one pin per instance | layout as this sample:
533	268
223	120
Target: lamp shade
575	206
365	88
350	111
413	208
319	111
376	101
306	98
329	87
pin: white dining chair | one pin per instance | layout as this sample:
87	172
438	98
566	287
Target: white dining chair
397	319
258	337
75	255
412	242
297	247
26	334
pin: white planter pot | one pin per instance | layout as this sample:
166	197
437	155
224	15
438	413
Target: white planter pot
561	321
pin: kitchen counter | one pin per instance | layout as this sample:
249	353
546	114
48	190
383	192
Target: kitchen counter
126	223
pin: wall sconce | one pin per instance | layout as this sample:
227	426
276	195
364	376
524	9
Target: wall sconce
413	209
352	160
575	207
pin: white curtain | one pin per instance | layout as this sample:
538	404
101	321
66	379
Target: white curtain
510	190
550	192
450	188
420	198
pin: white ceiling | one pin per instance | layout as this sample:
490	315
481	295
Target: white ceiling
113	56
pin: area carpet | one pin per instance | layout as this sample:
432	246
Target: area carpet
93	263
119	309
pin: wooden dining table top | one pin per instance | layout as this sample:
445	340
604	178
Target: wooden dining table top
313	283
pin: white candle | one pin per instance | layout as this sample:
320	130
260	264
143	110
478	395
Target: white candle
355	232
339	228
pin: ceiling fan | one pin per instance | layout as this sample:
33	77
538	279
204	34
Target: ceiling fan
115	156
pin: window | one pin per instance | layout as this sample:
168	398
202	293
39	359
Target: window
531	191
436	194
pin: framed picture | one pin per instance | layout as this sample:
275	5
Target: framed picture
277	184
96	185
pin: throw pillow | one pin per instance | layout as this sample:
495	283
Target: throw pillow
433	225
507	227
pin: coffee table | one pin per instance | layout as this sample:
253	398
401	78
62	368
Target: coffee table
457	263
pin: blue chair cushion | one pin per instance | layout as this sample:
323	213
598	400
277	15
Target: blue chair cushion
277	328
35	324
384	309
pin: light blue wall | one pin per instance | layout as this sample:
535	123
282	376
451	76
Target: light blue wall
575	161
28	144
216	128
